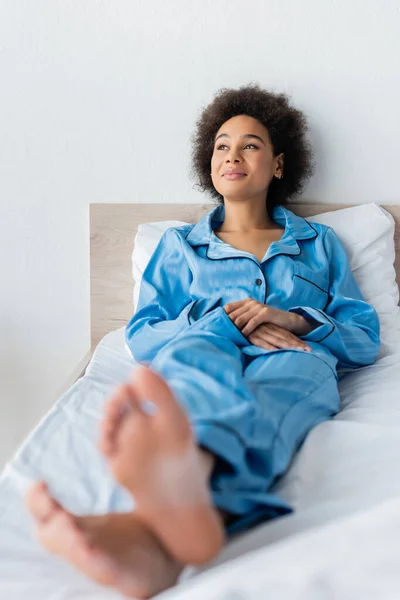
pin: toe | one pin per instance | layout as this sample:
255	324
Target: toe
115	410
151	386
40	502
124	403
62	535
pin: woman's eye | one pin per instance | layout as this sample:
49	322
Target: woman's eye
224	146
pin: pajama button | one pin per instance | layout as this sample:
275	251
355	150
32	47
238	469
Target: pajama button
258	281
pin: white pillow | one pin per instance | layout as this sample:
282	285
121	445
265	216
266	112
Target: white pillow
146	240
367	233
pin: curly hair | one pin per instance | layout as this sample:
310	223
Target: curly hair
287	128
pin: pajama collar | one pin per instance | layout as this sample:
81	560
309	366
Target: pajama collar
296	228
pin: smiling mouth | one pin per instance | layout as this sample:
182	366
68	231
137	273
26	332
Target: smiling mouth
234	176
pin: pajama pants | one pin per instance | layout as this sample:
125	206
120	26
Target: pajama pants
251	412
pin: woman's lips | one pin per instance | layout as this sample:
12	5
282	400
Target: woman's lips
234	175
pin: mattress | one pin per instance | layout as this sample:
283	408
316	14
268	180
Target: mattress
345	466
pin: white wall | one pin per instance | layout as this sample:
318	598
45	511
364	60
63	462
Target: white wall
97	103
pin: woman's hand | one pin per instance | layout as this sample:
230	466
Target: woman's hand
272	337
249	314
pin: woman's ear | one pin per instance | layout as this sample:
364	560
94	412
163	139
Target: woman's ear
280	159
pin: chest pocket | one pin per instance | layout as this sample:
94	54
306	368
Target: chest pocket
310	288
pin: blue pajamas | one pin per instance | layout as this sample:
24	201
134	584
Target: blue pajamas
251	407
252	413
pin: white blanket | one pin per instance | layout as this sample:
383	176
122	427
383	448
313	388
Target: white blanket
345	465
352	558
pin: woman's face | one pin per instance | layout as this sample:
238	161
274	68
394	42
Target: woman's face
242	145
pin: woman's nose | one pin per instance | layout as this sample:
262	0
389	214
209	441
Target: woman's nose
232	157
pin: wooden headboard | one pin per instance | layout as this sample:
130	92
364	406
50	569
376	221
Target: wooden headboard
112	232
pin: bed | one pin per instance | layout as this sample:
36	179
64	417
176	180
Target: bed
343	475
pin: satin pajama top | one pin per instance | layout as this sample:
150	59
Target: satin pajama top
192	274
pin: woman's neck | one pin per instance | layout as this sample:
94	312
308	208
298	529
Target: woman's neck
243	217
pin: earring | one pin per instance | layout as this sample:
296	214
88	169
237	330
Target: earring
279	176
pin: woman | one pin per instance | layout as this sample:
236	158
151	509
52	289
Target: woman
246	319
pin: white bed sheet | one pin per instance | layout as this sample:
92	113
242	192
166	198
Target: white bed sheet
350	558
345	465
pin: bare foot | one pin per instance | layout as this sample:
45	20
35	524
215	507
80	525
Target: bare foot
148	441
115	550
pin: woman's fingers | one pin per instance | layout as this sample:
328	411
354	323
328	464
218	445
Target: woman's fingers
241	315
272	342
266	336
254	319
248	317
283	333
261	343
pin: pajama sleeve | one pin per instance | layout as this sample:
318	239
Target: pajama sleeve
348	326
164	300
